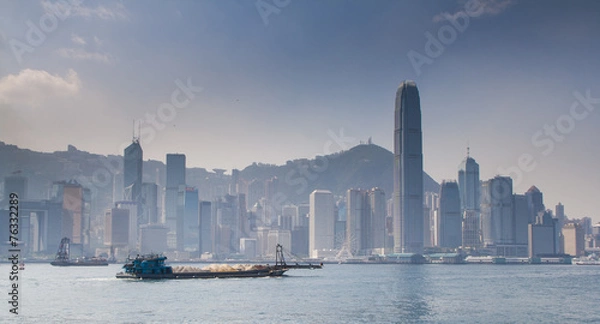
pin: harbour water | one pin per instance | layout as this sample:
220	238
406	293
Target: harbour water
353	293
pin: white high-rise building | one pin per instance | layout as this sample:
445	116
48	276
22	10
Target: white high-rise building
321	222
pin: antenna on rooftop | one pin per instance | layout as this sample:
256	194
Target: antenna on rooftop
468	149
135	138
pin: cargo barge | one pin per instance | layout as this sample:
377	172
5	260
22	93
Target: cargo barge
152	266
63	257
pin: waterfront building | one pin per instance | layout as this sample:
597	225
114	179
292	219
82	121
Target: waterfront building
543	240
191	214
450	225
206	228
76	205
40	225
227	216
356	210
408	170
430	211
321	222
116	227
174	192
574	239
471	229
535	203
470	194
469	184
521	215
596	234
378	213
497	215
365	221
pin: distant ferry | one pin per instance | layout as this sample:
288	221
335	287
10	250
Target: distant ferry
515	260
591	260
80	262
152	266
63	257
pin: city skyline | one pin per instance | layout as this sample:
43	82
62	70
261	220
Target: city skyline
98	58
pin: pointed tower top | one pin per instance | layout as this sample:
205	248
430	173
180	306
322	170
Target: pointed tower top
135	139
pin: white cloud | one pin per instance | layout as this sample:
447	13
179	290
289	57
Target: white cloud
482	7
97	41
495	7
32	87
80	54
118	12
78	39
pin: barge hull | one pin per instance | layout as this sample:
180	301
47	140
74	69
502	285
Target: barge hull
78	264
205	274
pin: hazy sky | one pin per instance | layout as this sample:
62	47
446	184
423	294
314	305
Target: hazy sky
231	82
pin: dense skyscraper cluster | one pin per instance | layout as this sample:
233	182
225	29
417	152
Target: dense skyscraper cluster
241	216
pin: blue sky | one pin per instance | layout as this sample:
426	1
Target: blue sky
276	86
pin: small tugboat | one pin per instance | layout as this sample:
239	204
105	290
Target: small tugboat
152	266
63	257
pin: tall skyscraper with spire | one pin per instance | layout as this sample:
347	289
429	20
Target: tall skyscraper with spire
468	183
408	170
470	191
132	170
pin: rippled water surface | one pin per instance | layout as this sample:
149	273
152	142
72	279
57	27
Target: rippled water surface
335	294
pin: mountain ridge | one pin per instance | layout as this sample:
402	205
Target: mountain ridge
364	166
